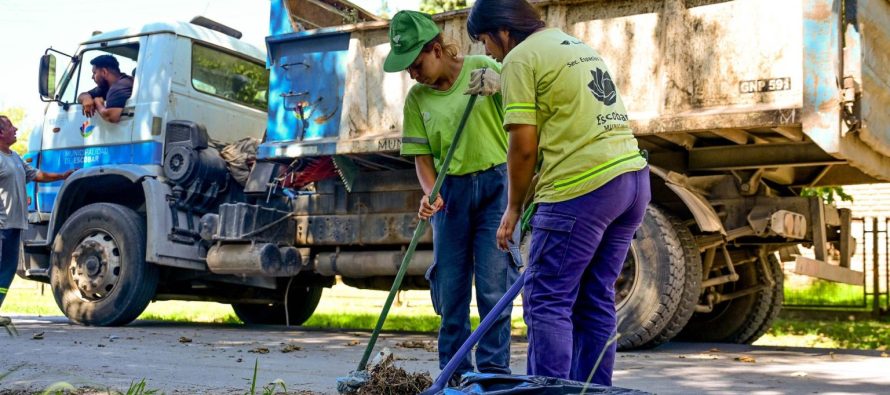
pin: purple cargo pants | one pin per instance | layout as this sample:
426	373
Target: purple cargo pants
577	250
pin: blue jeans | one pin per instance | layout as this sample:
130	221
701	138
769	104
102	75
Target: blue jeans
465	249
578	248
9	258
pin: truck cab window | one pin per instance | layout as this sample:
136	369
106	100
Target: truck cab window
81	79
230	77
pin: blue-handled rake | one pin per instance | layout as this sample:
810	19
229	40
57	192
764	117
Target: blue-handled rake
484	326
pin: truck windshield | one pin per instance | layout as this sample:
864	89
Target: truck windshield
81	79
230	77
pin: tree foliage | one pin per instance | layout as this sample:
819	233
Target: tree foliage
17	116
234	78
437	6
385	11
21	144
828	194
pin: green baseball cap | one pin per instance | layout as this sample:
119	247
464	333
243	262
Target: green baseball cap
409	31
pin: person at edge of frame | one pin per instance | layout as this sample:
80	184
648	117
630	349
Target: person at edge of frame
14	174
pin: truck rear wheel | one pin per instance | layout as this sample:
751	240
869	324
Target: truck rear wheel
301	303
691	287
778	299
738	320
651	286
99	273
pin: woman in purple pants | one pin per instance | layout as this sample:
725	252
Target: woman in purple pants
568	123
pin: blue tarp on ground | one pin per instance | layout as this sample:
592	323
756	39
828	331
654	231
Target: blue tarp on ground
505	384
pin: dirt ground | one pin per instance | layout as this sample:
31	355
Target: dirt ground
217	359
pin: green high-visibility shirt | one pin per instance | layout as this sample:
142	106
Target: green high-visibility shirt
431	118
561	85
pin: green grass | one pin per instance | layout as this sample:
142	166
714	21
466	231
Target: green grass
850	334
26	298
822	292
347	308
181	311
394	322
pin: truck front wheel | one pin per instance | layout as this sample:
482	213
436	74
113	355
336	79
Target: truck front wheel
99	273
301	303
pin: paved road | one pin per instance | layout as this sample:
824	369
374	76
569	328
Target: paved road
220	359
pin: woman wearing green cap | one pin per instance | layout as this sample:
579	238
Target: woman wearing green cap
466	215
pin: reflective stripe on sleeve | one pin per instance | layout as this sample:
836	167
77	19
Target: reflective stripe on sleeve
520	107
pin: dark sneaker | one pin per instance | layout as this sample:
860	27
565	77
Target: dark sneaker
4	321
454	381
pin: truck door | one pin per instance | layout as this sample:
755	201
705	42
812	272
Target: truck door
72	140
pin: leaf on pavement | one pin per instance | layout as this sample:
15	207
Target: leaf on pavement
290	348
746	359
183	339
426	345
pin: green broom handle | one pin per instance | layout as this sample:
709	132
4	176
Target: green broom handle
440	178
418	233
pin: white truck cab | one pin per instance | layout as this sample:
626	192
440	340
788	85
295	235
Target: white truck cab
115	234
181	71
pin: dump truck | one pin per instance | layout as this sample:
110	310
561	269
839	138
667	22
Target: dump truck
741	105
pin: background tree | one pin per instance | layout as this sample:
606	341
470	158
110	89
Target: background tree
17	116
385	11
828	194
437	6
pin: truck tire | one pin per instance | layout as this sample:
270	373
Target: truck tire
736	320
301	303
691	287
99	274
650	287
778	299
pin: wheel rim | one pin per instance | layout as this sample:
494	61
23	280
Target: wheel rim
95	266
626	283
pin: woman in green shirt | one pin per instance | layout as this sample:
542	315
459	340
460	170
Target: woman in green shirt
568	123
466	215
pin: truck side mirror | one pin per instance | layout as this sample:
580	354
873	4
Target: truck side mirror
47	81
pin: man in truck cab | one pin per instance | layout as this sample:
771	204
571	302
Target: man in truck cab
112	90
14	173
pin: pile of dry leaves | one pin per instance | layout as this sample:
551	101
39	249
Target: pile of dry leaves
387	379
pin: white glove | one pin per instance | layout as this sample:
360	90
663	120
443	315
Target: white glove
484	82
